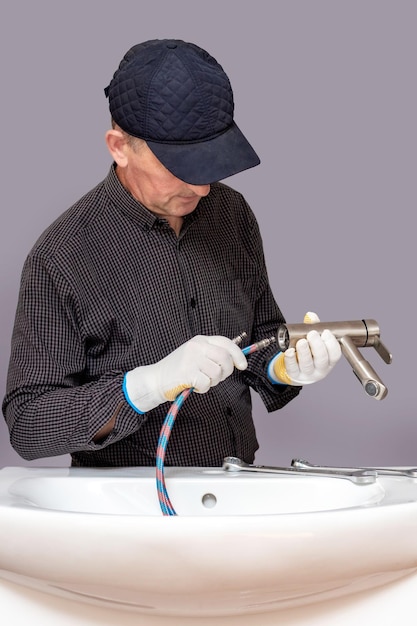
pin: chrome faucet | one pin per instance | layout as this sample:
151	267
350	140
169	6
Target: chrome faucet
351	336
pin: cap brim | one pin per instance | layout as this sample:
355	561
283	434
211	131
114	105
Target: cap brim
205	162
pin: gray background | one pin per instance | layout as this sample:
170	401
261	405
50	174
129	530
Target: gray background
326	92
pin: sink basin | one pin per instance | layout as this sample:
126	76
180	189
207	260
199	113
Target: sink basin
195	492
241	543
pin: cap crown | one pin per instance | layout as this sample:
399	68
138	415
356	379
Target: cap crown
171	91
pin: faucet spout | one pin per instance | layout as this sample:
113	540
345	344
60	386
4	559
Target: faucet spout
363	370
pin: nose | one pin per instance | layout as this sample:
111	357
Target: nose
200	190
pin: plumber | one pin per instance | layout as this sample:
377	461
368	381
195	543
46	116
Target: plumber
136	291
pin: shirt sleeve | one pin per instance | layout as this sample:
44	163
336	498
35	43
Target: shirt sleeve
51	407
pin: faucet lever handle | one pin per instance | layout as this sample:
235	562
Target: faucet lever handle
382	350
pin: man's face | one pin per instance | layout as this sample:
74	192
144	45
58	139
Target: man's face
155	187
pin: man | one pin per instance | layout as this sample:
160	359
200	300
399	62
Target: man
136	292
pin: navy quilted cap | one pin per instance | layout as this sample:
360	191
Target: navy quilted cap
176	97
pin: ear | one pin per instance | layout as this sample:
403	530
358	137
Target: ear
117	145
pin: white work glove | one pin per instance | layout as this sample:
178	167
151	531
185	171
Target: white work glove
200	363
311	360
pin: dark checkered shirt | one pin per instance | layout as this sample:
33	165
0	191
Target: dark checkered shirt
109	287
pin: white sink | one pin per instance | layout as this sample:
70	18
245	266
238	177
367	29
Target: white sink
240	544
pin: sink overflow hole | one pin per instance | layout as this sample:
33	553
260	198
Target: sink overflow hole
209	500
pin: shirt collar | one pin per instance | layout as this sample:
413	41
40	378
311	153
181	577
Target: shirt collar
126	203
131	207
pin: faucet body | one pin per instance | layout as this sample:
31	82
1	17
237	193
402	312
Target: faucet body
351	335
